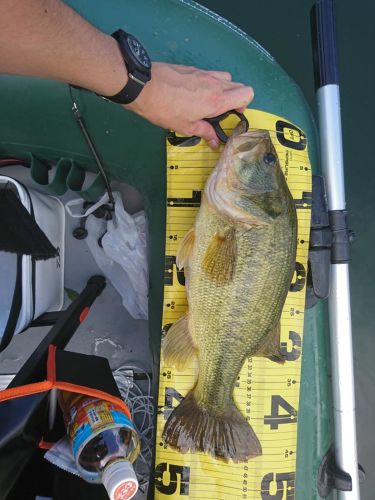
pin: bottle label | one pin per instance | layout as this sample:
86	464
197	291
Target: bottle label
86	417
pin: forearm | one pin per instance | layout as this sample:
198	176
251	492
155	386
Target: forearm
46	38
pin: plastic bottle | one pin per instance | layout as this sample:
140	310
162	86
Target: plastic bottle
104	443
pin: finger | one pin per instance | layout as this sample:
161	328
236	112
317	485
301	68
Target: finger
237	98
203	129
221	75
241	110
184	70
231	85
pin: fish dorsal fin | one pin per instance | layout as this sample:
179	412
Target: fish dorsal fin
219	261
185	249
178	345
271	347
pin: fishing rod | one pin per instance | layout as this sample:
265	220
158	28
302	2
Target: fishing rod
328	100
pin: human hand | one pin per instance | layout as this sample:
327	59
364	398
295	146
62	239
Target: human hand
180	97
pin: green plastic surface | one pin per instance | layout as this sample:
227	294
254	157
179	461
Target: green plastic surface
36	118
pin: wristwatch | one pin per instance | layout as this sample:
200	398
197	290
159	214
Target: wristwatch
137	63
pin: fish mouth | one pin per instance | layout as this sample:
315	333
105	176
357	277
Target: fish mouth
248	141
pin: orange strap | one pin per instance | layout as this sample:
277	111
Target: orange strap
45	445
94	393
25	390
51	383
51	364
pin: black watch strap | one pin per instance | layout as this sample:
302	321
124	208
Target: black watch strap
138	65
127	95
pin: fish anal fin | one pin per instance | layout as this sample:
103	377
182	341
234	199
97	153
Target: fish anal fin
219	261
226	435
185	249
271	347
178	345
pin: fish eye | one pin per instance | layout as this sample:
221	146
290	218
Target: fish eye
269	158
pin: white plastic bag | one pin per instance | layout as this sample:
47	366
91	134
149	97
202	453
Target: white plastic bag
61	455
123	258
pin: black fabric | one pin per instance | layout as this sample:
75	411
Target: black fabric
66	486
15	308
41	478
36	479
19	232
87	370
22	422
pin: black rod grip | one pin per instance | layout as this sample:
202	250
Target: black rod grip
324	43
63	330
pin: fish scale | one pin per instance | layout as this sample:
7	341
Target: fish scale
231	303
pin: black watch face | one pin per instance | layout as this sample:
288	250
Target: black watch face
139	52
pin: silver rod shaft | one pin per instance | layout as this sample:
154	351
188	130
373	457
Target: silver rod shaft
343	377
328	98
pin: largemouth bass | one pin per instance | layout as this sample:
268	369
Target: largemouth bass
239	260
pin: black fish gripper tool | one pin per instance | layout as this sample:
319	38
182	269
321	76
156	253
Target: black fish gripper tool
216	123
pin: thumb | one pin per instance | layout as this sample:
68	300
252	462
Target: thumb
203	129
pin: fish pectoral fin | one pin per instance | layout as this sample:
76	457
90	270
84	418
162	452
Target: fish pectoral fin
271	347
185	249
178	345
219	261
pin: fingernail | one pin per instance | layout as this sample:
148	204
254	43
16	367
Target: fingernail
213	144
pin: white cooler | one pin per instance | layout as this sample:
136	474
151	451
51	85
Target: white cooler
29	287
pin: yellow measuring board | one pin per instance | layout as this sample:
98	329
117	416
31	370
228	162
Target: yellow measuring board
266	393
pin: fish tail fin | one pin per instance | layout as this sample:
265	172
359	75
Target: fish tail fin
226	436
